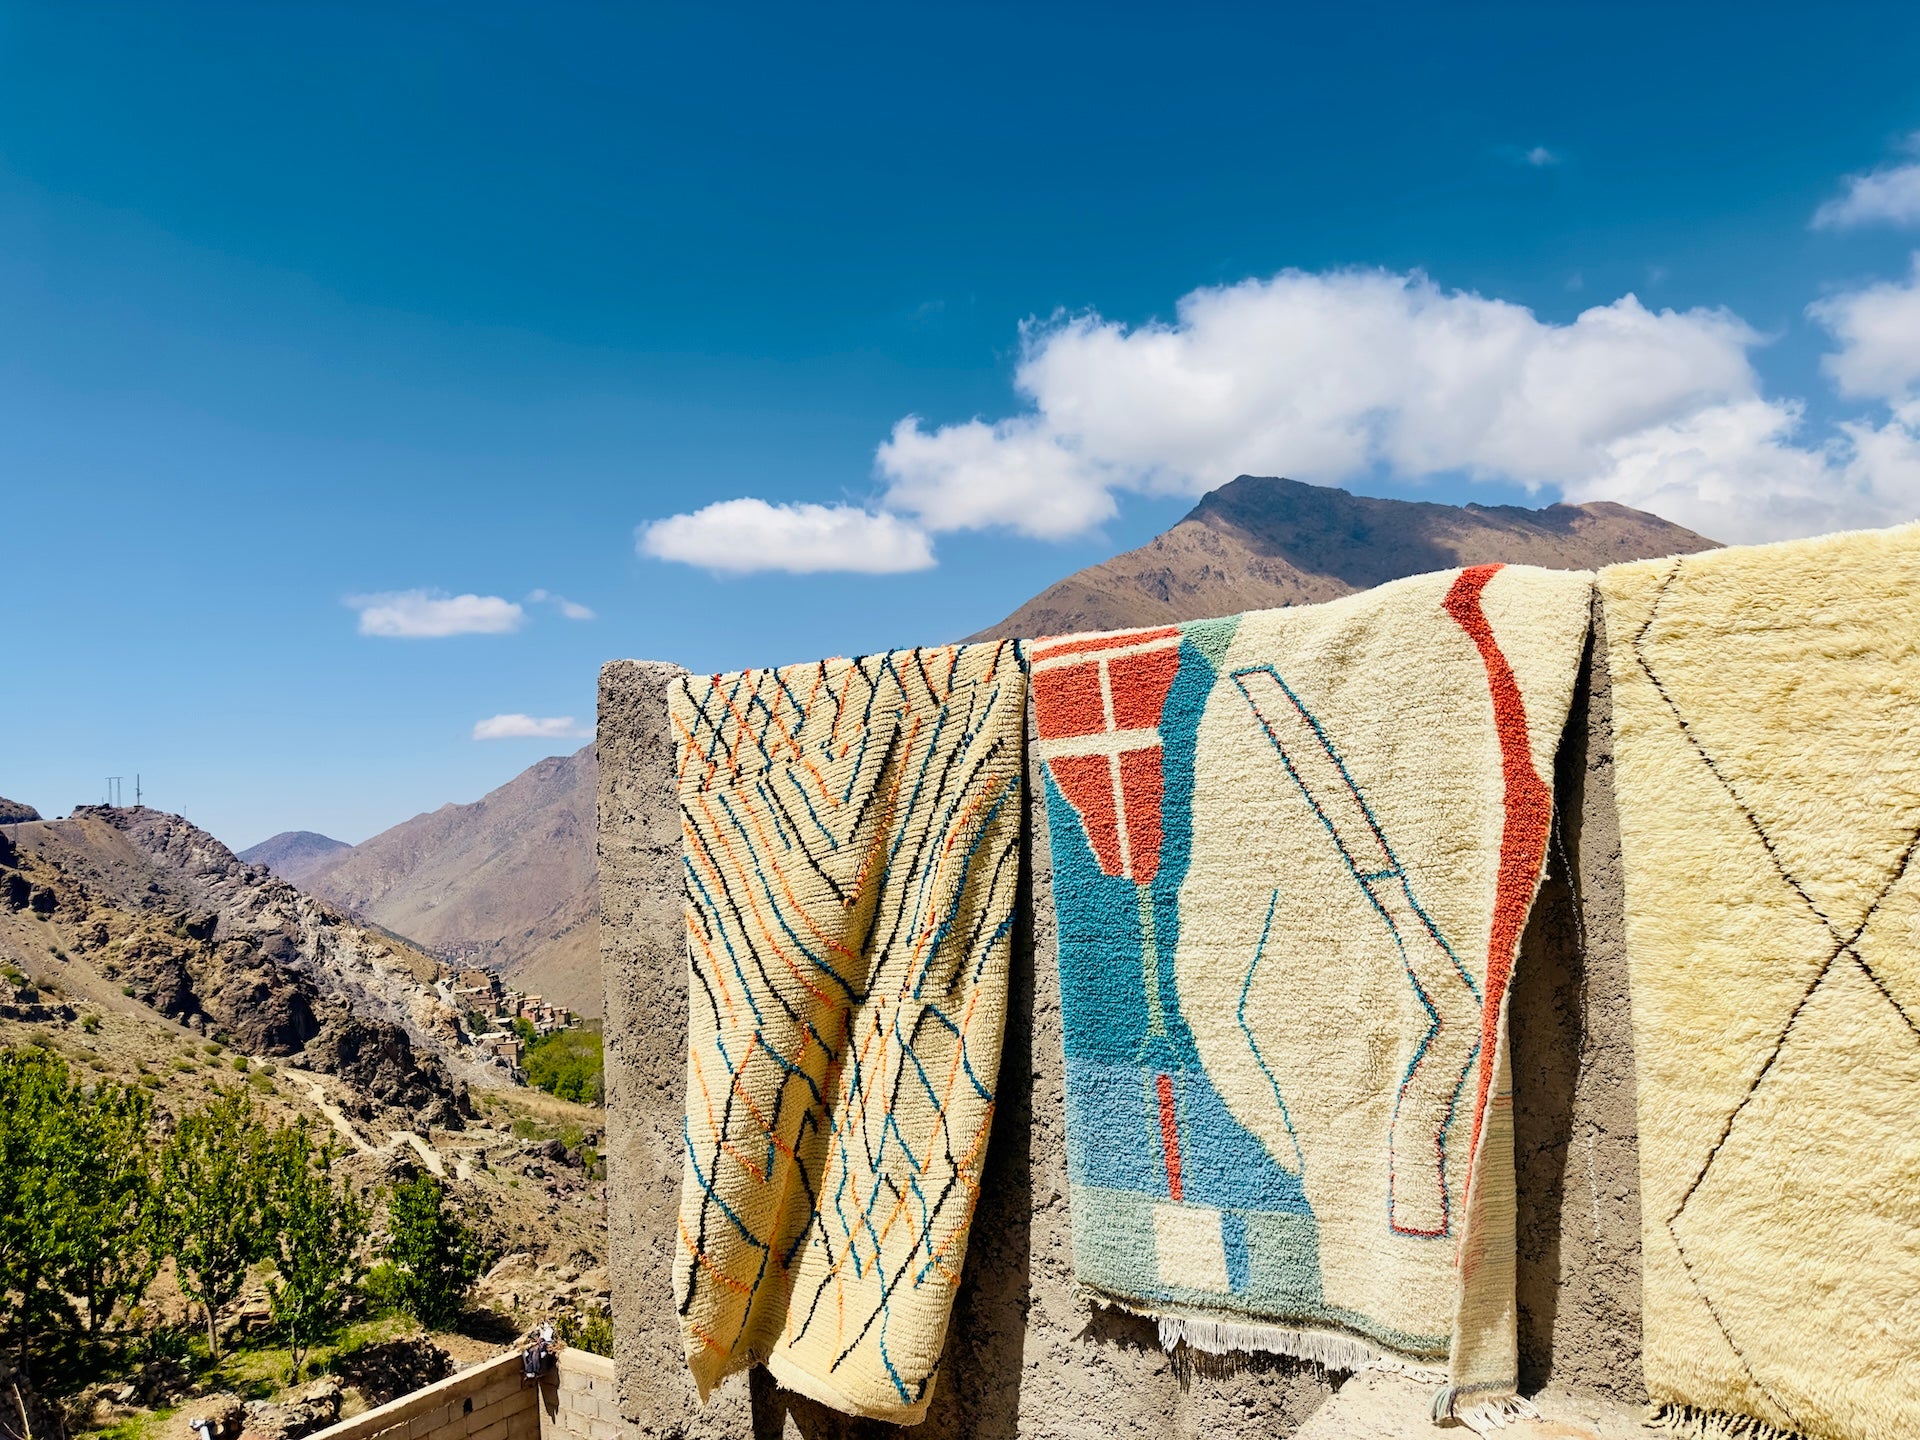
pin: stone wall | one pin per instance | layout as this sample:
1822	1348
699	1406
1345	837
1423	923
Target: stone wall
1026	1356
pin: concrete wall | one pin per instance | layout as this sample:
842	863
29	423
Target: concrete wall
491	1401
1576	1136
1025	1356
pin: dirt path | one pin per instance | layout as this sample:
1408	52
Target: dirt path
429	1156
318	1095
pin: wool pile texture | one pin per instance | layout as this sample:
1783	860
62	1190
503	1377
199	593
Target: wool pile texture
1293	855
1766	709
851	833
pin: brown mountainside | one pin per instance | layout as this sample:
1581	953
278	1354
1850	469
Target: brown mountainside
1259	542
507	880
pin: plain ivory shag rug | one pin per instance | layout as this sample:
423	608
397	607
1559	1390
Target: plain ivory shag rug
851	834
1293	855
1766	707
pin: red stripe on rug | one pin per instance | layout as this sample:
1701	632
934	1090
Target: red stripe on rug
1524	834
1170	1135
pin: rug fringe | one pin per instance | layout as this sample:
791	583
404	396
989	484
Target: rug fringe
1484	1416
1318	1347
1690	1422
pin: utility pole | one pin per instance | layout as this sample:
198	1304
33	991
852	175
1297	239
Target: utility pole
136	789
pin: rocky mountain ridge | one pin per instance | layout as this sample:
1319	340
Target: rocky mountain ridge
226	949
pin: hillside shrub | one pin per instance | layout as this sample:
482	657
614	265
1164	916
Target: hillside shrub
592	1332
384	1289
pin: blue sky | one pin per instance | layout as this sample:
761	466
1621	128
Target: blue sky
301	305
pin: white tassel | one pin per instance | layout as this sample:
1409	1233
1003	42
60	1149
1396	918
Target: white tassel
1491	1415
1318	1347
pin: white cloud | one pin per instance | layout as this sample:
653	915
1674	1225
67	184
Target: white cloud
432	614
1018	473
1889	195
1878	328
1885	459
572	610
1540	156
742	536
527	727
1328	377
1324	377
1358	374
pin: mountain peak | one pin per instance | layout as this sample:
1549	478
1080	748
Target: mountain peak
506	881
292	853
1259	542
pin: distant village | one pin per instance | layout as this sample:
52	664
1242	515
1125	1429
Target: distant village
490	1010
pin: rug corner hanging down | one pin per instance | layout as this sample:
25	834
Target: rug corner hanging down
850	833
1293	853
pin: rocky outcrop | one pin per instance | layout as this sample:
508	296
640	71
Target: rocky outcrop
311	1409
380	1062
393	1368
231	951
12	812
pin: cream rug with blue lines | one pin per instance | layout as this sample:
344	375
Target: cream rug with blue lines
851	834
1293	854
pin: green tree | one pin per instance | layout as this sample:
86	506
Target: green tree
568	1063
75	1199
215	1184
35	1090
110	1251
317	1231
435	1257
